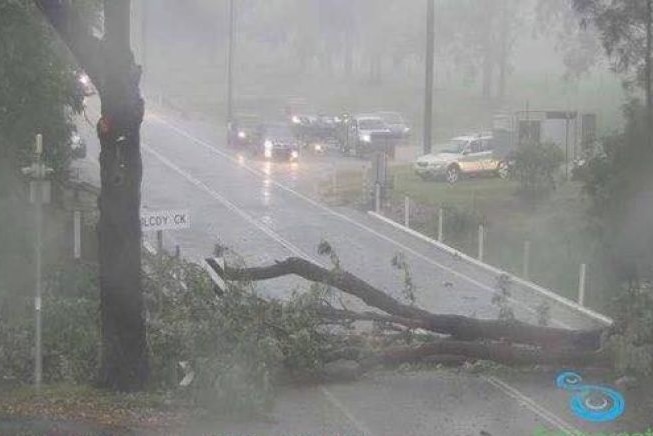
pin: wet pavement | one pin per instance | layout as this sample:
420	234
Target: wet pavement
269	211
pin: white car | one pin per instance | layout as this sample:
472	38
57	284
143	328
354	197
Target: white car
464	155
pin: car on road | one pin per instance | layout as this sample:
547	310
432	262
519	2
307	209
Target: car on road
77	146
84	84
242	131
277	141
396	122
367	134
463	156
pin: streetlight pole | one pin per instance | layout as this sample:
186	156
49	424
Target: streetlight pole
230	60
430	60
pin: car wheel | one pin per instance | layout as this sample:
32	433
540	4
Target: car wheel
453	174
503	170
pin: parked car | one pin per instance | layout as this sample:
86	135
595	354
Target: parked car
463	156
276	141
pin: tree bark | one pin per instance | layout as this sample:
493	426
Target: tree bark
124	360
458	327
110	64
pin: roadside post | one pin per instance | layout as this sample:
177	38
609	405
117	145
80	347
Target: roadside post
441	225
77	234
158	221
581	284
527	260
407	211
481	242
159	241
39	193
377	198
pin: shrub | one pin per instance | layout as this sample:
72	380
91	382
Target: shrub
535	166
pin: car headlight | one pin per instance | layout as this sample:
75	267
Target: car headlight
268	145
84	79
242	135
294	154
406	129
296	120
318	148
366	138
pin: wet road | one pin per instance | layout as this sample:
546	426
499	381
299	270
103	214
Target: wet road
267	212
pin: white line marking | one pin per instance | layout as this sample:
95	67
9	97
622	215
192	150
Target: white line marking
361	427
531	404
349	220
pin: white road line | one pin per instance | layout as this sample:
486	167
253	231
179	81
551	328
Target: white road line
531	404
501	385
314	203
360	426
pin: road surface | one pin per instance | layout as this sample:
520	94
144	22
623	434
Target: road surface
265	212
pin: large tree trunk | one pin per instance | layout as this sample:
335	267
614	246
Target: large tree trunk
124	360
110	64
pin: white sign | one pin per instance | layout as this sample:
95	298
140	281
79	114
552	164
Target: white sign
152	221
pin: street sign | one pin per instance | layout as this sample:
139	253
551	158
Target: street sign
152	221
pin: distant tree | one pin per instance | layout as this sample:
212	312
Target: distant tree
485	36
579	44
625	27
37	95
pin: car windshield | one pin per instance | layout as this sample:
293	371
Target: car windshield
466	250
278	131
456	146
392	118
372	124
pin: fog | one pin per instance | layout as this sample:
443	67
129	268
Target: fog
362	56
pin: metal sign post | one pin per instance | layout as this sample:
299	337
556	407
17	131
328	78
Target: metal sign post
39	195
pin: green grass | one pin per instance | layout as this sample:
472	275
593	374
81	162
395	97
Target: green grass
555	227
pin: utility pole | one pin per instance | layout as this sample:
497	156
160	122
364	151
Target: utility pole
649	68
39	195
430	60
144	39
230	61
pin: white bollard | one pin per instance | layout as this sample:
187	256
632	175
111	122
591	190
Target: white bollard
581	284
159	242
441	226
377	203
407	211
77	234
481	242
527	260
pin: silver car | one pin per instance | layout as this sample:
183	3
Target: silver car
464	155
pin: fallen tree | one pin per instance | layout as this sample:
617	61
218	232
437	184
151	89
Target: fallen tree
452	337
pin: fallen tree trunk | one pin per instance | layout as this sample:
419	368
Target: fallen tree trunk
499	352
459	327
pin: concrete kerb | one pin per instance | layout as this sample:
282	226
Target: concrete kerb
527	284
